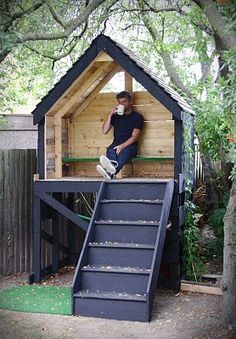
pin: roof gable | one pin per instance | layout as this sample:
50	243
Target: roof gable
130	63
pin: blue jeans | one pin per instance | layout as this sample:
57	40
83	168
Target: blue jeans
125	155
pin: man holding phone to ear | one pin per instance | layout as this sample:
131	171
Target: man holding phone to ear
127	125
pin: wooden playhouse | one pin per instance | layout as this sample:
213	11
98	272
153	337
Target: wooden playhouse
135	216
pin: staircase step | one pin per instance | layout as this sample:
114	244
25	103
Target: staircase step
127	222
120	306
135	190
119	280
140	201
110	295
128	233
116	269
120	254
130	210
112	244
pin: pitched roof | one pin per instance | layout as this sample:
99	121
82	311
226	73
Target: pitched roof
130	63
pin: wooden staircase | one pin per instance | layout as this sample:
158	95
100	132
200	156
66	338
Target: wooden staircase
118	269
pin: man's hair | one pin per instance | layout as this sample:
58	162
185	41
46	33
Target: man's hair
124	94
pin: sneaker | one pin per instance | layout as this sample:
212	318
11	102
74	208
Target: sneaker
103	172
107	164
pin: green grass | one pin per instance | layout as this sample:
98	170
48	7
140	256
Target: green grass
37	299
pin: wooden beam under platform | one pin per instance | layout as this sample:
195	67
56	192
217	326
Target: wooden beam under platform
63	210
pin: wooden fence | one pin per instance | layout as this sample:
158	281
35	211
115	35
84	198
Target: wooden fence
16	182
17	168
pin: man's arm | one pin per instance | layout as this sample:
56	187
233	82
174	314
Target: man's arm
107	124
134	137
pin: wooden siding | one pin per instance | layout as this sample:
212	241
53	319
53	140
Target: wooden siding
82	136
157	137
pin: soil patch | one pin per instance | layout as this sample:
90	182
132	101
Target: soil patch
181	316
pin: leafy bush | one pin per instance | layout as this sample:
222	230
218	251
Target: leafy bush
193	260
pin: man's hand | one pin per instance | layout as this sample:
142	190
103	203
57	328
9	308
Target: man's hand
107	124
118	149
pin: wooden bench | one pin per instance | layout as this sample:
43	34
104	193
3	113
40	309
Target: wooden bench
140	166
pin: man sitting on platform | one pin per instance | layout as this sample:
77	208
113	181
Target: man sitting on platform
128	125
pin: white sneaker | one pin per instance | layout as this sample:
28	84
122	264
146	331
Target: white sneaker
103	172
107	164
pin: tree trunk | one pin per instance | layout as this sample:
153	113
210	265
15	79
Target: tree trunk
213	194
229	271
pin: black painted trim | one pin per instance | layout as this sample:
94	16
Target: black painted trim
67	80
66	186
142	77
63	210
49	239
104	43
37	239
178	148
41	149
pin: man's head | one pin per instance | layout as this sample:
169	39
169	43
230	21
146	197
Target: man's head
125	98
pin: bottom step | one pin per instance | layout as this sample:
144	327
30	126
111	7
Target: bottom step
119	306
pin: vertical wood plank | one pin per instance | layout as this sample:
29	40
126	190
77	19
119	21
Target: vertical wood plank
128	82
58	148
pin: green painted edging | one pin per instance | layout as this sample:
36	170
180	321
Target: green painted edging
84	217
74	160
139	158
37	299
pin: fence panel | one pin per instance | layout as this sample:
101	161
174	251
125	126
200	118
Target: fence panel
16	198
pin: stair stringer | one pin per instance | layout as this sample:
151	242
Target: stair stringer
84	252
159	245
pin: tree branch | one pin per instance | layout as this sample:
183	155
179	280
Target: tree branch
217	22
63	55
55	16
169	65
50	56
71	26
21	13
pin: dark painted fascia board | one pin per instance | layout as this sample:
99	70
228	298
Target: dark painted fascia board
66	81
142	77
106	44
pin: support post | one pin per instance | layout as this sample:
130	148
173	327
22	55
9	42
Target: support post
37	240
58	147
56	223
128	82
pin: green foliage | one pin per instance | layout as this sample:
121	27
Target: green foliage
229	88
216	221
209	122
193	260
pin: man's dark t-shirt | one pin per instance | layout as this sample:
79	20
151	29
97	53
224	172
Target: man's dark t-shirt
124	126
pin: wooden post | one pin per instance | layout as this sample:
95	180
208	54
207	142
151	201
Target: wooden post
41	149
56	222
37	240
128	82
70	128
58	147
178	151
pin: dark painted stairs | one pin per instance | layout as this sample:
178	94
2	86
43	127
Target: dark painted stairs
117	272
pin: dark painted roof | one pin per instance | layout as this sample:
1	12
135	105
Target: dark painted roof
131	63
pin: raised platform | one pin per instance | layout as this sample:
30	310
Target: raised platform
83	184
